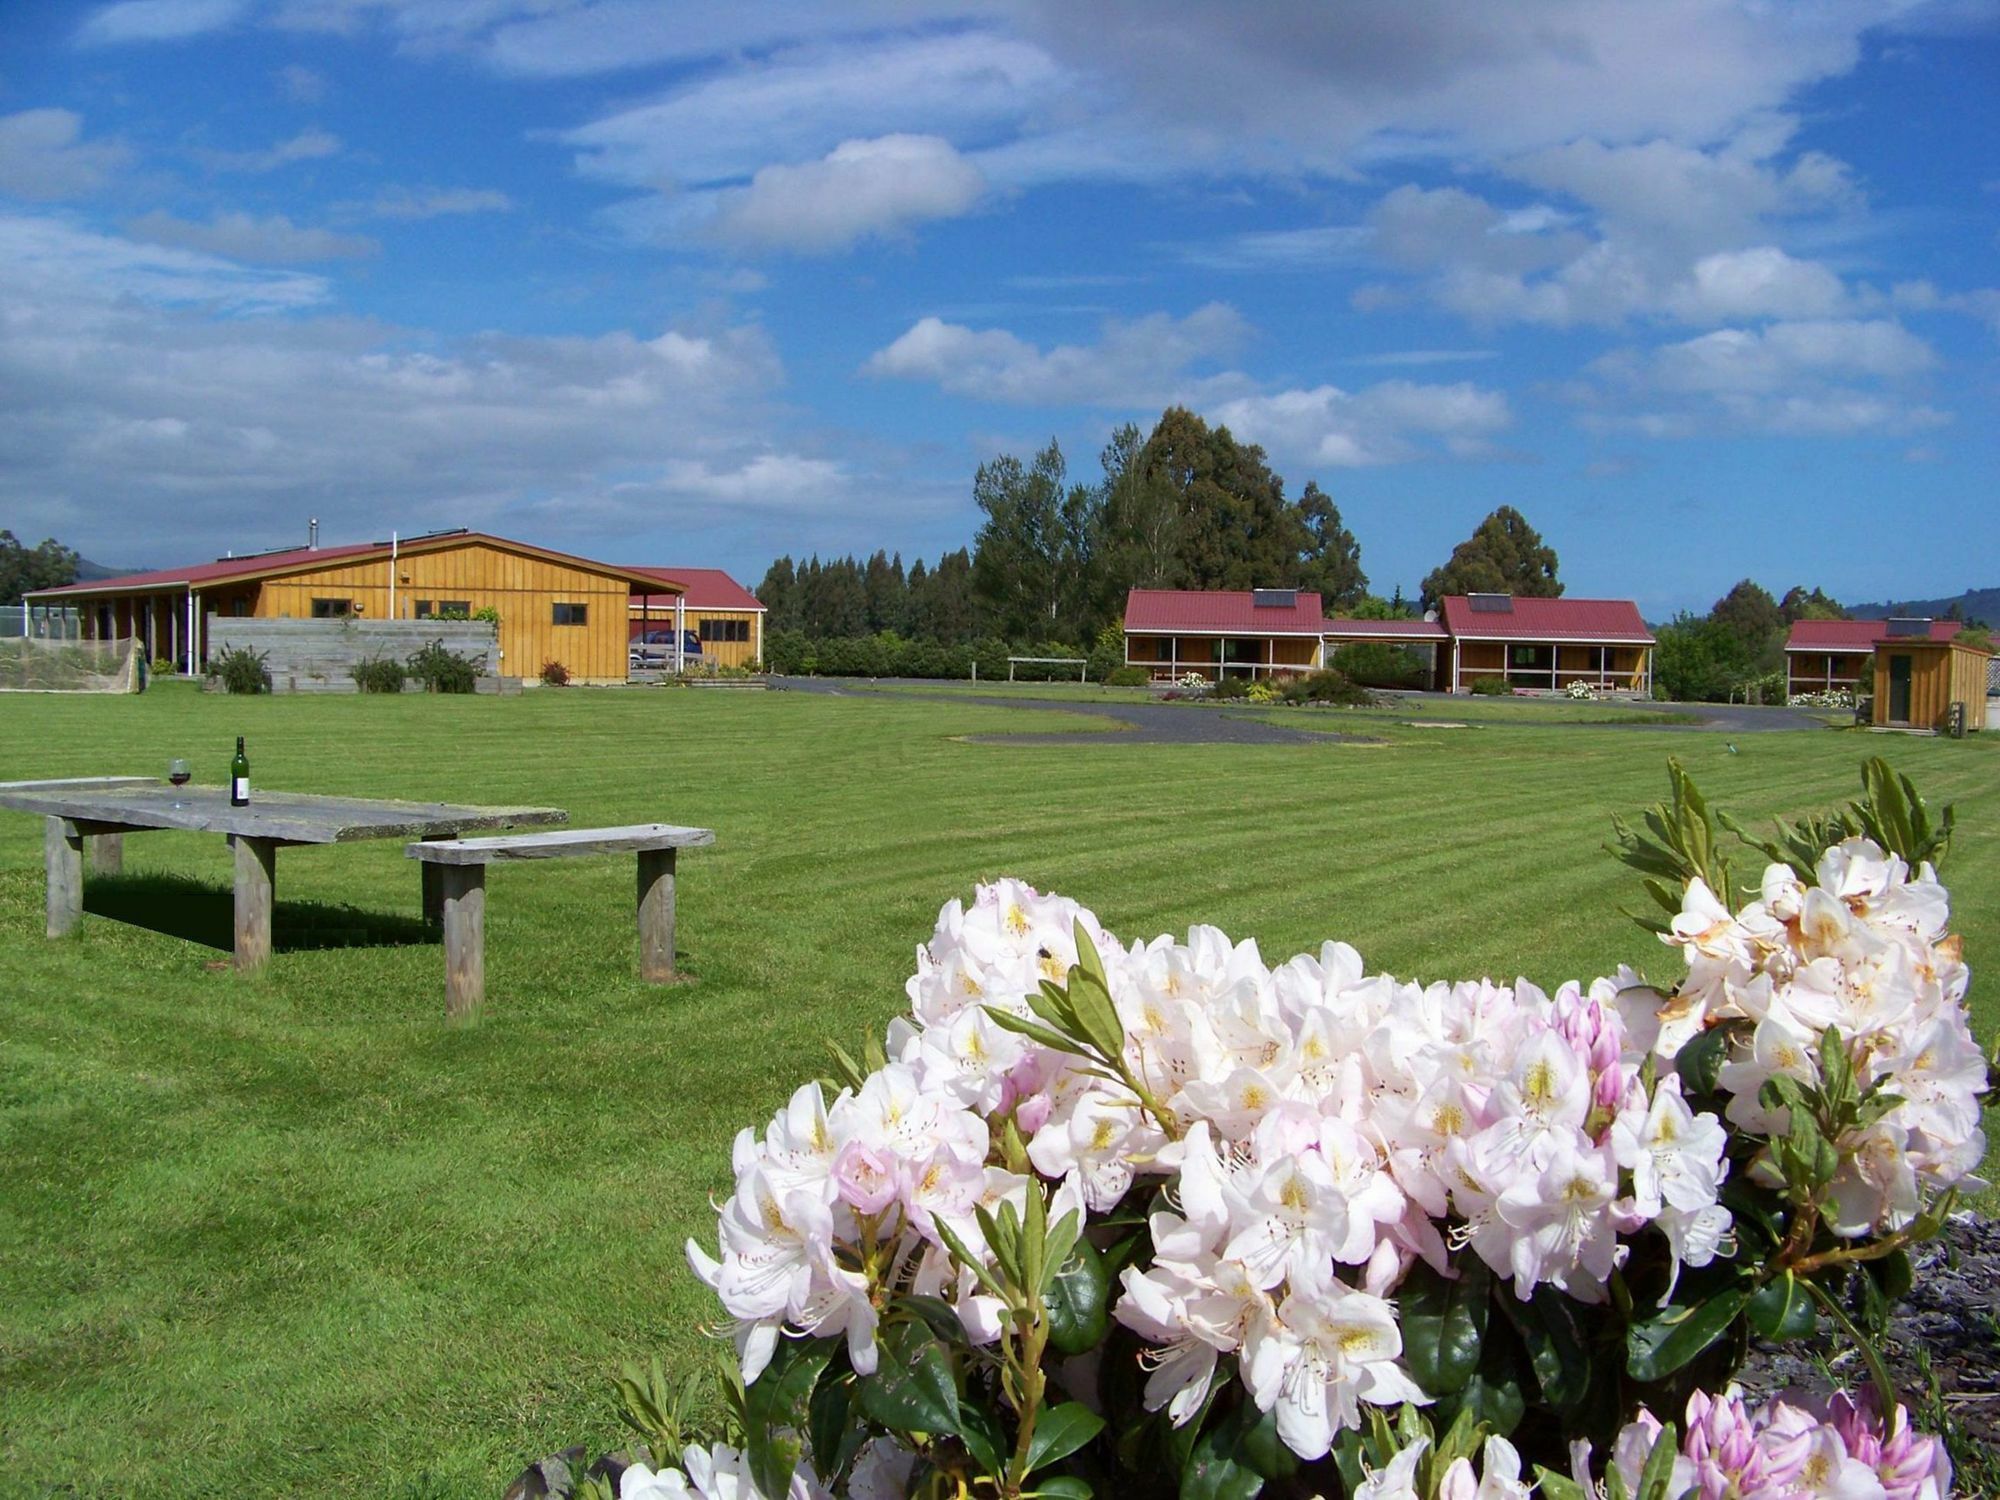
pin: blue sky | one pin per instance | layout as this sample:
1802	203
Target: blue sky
1705	289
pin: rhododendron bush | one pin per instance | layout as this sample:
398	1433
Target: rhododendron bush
1109	1217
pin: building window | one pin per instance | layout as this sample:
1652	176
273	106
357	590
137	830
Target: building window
444	609
572	614
332	609
239	609
725	630
1541	658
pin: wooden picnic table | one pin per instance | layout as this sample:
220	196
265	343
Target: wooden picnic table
96	813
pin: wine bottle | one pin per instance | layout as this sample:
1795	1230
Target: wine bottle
239	777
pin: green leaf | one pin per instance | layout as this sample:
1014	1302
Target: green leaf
1553	1486
962	1252
1060	1432
1078	1301
1063	1487
837	1435
913	1388
1654	1349
1781	1309
1034	1031
1096	1017
1700	1060
984	1438
1836	1071
1233	1458
1558	1349
1444	1324
778	1413
1659	1471
1493	1395
1894	1274
848	1069
1062	1238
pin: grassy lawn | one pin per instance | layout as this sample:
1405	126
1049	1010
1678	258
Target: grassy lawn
293	1233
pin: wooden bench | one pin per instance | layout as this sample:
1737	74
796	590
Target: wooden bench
461	864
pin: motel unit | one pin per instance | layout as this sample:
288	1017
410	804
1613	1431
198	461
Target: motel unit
1917	670
1532	645
1832	656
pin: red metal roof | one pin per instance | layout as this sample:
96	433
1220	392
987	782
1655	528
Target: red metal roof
1855	635
707	588
1606	621
1384	630
1218	612
263	564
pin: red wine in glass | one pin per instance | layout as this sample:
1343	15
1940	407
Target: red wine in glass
178	773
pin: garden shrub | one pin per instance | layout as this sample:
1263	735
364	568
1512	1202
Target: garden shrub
1225	689
1491	687
1379	664
1326	686
379	674
444	671
1127	677
554	674
1098	1219
242	670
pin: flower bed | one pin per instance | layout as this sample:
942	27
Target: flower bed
1107	1218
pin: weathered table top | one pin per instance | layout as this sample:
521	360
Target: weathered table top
282	817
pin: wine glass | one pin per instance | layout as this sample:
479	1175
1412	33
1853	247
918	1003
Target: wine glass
178	772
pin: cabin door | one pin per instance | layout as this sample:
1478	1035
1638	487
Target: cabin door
1899	689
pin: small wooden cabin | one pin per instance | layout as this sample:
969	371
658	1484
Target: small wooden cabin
726	617
1223	632
1544	645
1919	677
552	606
1835	656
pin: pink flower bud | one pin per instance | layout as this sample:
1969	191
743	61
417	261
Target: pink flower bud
864	1178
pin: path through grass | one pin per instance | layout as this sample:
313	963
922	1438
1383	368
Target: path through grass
293	1233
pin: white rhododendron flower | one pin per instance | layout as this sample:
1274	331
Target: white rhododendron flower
719	1472
1299	1137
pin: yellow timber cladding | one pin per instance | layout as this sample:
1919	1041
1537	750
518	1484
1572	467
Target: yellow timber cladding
549	610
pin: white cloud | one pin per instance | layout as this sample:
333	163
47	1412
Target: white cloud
1394	422
159	20
725	126
1143	362
432	202
43	156
274	240
1824	377
300	84
240	425
310	144
1762	282
782	483
54	264
859	190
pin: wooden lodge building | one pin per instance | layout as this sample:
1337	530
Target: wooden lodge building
1532	645
725	617
552	606
1915	669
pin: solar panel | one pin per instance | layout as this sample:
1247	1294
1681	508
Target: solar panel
1273	598
1910	627
1491	604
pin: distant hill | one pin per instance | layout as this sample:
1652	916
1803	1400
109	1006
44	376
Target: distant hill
89	572
1974	604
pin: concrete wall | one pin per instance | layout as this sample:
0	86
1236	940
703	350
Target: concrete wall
319	656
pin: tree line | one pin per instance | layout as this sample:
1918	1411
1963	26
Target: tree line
1186	506
25	569
1737	649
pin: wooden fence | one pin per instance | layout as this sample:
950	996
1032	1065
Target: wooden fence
319	656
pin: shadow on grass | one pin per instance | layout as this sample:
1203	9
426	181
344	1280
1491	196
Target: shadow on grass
198	912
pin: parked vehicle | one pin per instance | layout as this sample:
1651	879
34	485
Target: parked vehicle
653	651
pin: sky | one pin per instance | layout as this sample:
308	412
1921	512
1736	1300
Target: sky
1705	289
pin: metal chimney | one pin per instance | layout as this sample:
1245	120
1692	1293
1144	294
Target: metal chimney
312	534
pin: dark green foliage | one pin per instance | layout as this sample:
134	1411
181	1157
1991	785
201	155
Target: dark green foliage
1227	688
24	569
1326	686
1798	605
242	670
1127	677
1377	664
444	671
1698	660
1490	687
1504	556
380	674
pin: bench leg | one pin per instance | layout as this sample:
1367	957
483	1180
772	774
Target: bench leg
463	891
433	878
656	915
256	886
63	854
107	854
